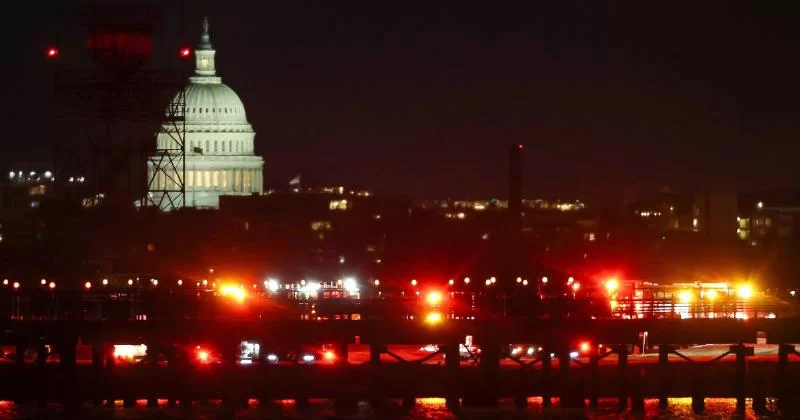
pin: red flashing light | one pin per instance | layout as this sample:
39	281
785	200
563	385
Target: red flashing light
185	52
52	52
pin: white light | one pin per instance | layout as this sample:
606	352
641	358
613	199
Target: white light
350	285
272	357
466	280
272	285
308	357
488	282
570	280
792	292
760	205
155	282
524	282
180	282
246	362
544	280
377	282
493	279
43	282
451	282
130	282
573	355
519	279
5	282
310	288
11	175
48	174
105	282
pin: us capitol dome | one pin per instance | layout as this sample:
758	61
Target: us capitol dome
220	158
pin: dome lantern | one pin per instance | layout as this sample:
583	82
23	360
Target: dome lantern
204	68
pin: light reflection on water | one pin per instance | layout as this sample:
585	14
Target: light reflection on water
426	408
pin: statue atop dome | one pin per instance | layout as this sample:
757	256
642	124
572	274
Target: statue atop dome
205	38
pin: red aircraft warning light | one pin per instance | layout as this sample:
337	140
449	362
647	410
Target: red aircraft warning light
185	52
52	52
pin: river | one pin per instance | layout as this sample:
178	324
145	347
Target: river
426	408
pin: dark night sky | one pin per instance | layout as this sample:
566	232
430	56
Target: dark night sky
424	98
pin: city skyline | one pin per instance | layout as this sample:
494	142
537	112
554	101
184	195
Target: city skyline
608	100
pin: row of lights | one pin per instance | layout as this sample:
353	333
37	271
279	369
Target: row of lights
492	280
87	285
53	52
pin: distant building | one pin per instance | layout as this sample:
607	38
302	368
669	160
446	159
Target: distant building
768	216
331	226
220	158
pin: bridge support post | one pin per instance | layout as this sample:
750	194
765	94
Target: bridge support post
622	374
375	351
547	379
760	400
151	357
663	375
23	381
108	386
485	394
98	357
637	394
231	399
698	393
594	362
345	404
41	366
741	377
784	379
177	378
66	350
452	363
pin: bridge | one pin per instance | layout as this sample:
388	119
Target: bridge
376	360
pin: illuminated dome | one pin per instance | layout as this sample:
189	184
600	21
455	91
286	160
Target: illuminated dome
213	103
219	141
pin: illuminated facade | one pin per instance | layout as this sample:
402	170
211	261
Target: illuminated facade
220	158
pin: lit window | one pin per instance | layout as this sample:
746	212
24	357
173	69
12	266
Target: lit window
237	180
339	205
215	179
190	179
224	180
321	225
207	178
247	180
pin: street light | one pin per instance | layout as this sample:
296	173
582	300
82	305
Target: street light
745	291
434	298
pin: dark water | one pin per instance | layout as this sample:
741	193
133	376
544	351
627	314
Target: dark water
426	408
